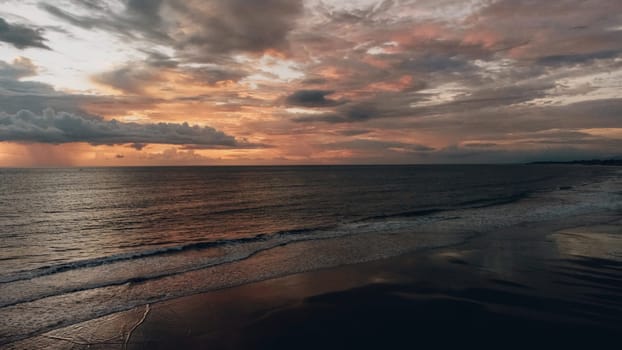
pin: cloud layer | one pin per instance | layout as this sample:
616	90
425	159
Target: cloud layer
320	81
56	128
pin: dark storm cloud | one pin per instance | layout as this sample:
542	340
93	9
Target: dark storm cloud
21	36
311	98
61	127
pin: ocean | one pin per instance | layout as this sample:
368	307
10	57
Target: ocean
76	244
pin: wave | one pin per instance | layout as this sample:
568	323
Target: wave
277	239
262	237
49	270
137	279
472	204
490	202
239	250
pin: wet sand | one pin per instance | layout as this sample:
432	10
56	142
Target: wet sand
551	283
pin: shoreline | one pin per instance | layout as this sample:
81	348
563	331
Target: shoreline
87	292
502	276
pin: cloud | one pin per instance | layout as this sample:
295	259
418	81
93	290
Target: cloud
131	78
369	145
21	67
17	94
414	104
226	26
473	79
349	114
21	36
354	132
479	144
195	28
160	71
311	98
138	146
56	128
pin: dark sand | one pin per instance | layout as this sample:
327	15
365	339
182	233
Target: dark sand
551	284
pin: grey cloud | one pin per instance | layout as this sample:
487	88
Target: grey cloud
311	98
78	21
377	145
138	146
21	36
557	32
131	78
213	75
567	59
536	125
61	127
13	91
157	59
508	54
209	28
480	144
141	19
237	25
20	68
314	81
404	105
16	94
135	77
354	132
436	63
91	4
366	15
351	114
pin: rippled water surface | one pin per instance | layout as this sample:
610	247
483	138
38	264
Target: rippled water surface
113	238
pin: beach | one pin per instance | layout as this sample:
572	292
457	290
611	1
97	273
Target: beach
555	282
343	257
310	174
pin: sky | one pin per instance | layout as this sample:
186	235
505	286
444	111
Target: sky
235	82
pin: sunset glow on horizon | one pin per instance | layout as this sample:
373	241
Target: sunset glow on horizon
234	82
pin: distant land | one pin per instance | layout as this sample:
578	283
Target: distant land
617	162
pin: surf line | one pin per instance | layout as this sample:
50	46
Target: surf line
129	334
